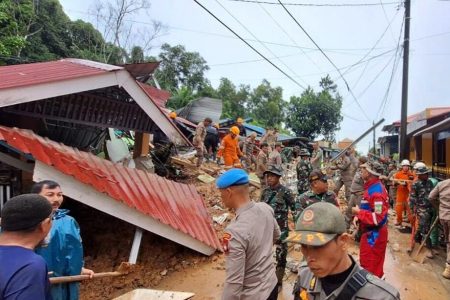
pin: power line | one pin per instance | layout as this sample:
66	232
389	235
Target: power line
387	19
249	45
262	44
326	56
317	4
288	35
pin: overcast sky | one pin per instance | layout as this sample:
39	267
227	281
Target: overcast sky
346	34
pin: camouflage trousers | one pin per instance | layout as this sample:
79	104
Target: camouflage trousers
425	218
281	251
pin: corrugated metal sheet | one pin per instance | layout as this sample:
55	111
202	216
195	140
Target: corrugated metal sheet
141	69
171	203
199	109
160	97
36	73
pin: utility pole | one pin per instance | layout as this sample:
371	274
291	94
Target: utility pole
374	144
404	113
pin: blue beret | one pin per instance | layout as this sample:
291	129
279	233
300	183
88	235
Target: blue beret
232	177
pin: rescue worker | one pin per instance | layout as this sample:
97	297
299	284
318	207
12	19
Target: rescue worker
199	139
421	206
318	192
440	199
230	148
26	221
270	138
240	125
329	272
316	157
247	241
392	188
372	216
303	168
262	163
212	141
249	148
64	251
275	156
357	191
281	200
402	179
347	174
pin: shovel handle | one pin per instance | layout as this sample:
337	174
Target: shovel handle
75	278
428	234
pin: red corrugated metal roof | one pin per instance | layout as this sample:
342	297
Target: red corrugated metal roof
36	73
160	97
175	204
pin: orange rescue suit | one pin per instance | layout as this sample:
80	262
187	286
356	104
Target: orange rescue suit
230	150
402	204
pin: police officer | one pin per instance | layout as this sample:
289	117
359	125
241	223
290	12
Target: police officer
303	168
281	200
248	241
318	192
420	204
329	272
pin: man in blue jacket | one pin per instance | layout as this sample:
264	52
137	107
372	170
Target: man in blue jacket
64	251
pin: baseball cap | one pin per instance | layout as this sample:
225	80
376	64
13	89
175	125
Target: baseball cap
24	212
318	224
274	170
232	177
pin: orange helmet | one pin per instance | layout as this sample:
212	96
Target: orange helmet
173	115
240	120
234	130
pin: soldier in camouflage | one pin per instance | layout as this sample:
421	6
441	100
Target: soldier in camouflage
288	154
318	193
421	206
304	168
281	200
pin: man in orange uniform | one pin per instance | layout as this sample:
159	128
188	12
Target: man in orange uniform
403	181
229	148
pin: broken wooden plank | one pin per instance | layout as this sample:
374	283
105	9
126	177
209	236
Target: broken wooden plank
190	165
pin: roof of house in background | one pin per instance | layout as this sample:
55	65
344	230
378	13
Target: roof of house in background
199	109
428	113
25	83
139	70
346	140
176	205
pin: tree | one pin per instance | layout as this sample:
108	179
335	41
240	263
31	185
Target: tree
233	100
313	114
266	105
180	98
179	68
137	55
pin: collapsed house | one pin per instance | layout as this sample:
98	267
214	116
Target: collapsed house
55	115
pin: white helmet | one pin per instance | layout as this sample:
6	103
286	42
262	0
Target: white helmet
419	165
405	162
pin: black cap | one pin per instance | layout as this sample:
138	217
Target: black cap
24	212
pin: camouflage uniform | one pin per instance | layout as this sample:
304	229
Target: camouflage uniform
281	200
304	168
306	199
421	207
287	154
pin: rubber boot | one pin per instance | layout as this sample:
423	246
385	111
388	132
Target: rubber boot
446	273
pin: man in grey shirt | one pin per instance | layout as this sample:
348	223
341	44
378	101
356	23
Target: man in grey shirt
316	158
248	241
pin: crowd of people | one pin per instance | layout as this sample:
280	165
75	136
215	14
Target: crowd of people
373	186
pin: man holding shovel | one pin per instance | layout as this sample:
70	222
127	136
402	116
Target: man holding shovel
64	251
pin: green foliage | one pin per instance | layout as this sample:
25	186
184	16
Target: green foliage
234	100
137	55
313	114
181	68
180	98
266	105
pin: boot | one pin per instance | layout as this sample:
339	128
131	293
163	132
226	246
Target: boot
446	273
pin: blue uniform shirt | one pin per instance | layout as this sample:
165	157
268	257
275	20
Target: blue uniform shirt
23	275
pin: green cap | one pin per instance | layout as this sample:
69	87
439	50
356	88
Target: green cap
318	224
274	170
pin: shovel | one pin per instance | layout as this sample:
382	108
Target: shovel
418	253
123	269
